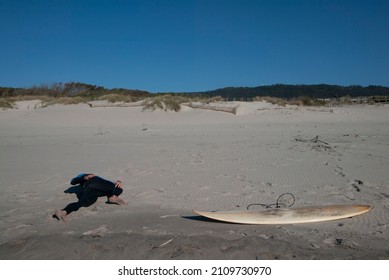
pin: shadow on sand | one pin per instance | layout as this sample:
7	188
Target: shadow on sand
203	219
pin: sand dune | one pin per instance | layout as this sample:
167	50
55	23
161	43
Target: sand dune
171	163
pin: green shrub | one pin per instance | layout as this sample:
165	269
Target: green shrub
6	103
214	99
272	100
308	101
114	97
301	101
63	100
164	102
345	100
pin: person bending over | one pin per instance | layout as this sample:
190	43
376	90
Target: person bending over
93	187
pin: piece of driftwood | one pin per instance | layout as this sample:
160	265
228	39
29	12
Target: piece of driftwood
313	140
317	144
165	243
214	108
114	105
321	110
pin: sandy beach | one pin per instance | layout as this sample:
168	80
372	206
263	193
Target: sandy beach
171	163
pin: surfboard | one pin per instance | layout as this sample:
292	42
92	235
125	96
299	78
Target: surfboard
274	216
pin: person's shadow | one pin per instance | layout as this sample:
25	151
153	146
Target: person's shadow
77	189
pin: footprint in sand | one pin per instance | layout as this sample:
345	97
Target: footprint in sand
19	229
333	241
98	232
142	172
339	171
197	158
223	176
356	185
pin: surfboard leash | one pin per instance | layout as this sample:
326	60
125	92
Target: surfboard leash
277	204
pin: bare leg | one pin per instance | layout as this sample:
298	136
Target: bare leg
116	200
60	215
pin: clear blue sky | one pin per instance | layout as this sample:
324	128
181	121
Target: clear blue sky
192	45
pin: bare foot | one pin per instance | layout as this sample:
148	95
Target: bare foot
116	200
60	215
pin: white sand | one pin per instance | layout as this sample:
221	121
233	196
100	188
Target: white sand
171	163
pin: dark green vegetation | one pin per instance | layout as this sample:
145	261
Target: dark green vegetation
87	91
322	91
73	93
279	90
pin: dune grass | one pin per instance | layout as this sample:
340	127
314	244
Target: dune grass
171	102
115	97
164	102
6	104
300	101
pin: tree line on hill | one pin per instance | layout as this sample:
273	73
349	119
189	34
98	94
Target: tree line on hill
320	91
71	89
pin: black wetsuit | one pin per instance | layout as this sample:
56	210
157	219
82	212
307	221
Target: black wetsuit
92	189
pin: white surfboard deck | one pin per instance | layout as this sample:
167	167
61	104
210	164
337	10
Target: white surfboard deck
274	216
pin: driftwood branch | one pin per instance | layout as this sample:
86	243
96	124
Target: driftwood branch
313	140
317	144
114	105
214	108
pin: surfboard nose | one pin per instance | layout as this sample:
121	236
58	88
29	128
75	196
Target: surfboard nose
365	207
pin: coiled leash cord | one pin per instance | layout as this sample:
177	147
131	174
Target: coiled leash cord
278	204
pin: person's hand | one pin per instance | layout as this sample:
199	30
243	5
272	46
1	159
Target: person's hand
89	176
118	184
